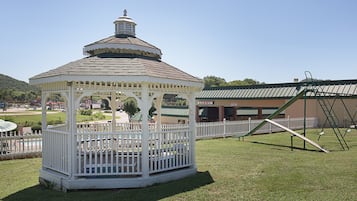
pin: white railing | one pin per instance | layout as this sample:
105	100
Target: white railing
169	150
55	150
206	130
13	144
104	153
107	127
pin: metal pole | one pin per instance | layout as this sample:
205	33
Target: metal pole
305	117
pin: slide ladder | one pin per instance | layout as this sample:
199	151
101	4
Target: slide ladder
331	118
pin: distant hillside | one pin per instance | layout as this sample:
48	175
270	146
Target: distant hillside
7	82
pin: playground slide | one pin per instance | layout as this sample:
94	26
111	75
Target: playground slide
298	135
282	108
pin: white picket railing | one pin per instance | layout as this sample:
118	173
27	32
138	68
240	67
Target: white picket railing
105	153
169	150
205	130
13	144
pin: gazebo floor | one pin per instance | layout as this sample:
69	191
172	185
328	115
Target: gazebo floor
63	182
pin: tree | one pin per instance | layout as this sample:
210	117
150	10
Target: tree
105	104
213	81
246	81
130	106
152	110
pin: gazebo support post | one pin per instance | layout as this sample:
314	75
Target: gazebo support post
44	113
72	129
192	126
158	104
144	106
113	106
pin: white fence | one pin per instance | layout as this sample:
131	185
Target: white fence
206	130
14	145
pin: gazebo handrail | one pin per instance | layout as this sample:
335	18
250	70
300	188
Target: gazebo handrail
125	127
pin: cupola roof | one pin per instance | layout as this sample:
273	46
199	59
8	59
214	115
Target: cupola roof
124	42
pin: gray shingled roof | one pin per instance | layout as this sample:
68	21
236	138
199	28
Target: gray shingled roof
284	90
124	40
119	66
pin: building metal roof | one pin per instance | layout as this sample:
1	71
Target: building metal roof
282	90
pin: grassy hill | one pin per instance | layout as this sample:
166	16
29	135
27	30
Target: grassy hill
7	82
16	91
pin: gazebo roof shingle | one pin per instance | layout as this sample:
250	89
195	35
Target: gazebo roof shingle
119	66
124	40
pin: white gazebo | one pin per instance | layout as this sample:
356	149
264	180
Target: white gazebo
116	155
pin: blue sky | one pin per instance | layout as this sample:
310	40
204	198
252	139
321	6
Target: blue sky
271	41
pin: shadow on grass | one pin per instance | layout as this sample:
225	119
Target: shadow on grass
151	193
286	146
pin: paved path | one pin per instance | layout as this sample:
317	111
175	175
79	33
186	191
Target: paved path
22	111
124	117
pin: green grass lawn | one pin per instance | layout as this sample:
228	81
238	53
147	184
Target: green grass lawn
262	167
33	119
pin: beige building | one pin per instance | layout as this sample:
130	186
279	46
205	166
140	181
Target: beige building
260	101
324	98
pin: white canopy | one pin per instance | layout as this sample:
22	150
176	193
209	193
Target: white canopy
7	126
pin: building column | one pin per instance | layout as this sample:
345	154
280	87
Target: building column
260	113
235	113
197	117
220	113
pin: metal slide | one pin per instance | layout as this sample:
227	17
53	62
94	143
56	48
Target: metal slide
298	135
282	108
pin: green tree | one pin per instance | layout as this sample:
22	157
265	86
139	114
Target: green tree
213	81
130	106
246	81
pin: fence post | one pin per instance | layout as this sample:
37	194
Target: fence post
224	127
249	121
289	121
270	128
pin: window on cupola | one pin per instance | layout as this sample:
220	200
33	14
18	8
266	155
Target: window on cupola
121	27
128	27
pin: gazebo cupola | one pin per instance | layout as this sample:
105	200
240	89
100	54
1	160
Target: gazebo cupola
110	154
123	43
124	26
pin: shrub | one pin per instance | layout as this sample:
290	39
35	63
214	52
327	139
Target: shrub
36	128
55	122
86	112
98	115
